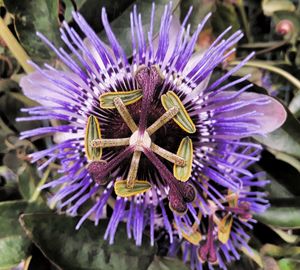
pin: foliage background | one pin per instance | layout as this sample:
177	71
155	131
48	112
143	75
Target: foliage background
33	236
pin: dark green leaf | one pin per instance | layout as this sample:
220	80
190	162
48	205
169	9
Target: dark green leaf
283	214
85	249
271	6
121	25
91	11
165	263
295	105
200	9
31	16
278	251
224	16
10	105
289	264
285	139
28	180
13	242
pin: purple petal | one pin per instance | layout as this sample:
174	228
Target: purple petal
270	114
37	86
173	33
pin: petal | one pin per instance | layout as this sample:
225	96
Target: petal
59	137
272	113
194	60
173	34
95	54
39	87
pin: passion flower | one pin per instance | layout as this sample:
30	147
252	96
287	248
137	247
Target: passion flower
150	135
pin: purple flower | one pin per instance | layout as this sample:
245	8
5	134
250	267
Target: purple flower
152	136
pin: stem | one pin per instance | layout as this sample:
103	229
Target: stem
14	46
263	65
37	191
245	22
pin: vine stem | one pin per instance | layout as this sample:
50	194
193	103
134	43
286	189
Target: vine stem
245	22
37	190
263	65
15	47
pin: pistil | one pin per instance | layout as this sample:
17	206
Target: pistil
161	121
168	155
208	250
103	143
133	169
99	169
148	78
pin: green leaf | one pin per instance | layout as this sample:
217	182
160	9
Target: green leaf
224	16
32	16
280	251
283	177
294	105
165	263
200	9
85	249
28	180
289	264
271	6
253	255
121	25
282	216
285	139
288	237
13	242
10	105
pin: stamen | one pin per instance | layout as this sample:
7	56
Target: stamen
161	121
224	228
125	114
191	234
179	161
109	142
131	178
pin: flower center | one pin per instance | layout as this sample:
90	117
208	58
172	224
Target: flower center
140	141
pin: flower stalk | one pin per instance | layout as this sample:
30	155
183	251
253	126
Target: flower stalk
14	46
